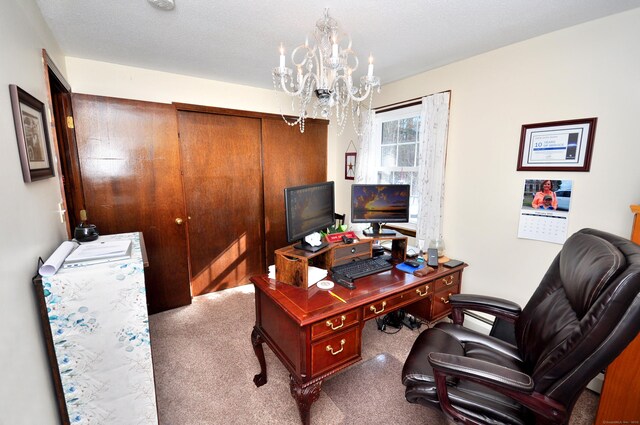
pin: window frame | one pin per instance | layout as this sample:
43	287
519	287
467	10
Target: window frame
380	118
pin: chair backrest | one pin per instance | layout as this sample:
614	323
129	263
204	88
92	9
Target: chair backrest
583	314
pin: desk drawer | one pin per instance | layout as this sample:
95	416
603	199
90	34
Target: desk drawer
334	324
334	351
441	305
446	282
343	254
389	304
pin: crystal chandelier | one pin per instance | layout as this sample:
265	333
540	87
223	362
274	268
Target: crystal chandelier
323	85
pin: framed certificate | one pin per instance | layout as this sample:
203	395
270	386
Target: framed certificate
557	146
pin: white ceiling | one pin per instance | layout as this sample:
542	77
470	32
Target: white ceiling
238	41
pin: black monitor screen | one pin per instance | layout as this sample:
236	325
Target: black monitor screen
308	209
380	203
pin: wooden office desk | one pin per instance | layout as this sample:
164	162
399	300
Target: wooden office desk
316	335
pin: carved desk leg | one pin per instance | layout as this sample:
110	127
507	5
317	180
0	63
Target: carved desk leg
256	340
305	396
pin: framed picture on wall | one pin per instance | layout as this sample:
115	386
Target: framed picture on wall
33	138
350	165
557	146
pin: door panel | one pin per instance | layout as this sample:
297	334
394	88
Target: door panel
222	176
130	162
291	158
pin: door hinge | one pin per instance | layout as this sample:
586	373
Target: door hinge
70	122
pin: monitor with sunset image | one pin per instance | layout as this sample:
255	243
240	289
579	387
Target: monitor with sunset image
378	204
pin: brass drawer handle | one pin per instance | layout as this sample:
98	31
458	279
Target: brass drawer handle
445	300
333	353
373	308
450	282
330	323
426	291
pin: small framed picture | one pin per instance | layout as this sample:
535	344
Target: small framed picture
350	165
33	138
557	146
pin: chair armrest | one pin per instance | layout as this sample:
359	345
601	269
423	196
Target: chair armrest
481	371
499	307
512	383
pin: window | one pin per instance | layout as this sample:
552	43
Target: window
400	146
396	149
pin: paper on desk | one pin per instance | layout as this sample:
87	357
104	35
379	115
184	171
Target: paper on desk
315	275
100	250
53	263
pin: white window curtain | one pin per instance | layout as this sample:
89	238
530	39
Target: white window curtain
434	126
365	170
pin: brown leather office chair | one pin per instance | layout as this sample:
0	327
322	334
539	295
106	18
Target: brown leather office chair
584	313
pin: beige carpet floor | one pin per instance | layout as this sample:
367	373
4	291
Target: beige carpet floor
204	366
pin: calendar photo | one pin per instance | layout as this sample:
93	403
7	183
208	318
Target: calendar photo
544	213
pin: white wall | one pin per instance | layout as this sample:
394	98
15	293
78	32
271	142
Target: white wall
591	70
31	226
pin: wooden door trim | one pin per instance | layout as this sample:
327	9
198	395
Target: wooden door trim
64	143
49	62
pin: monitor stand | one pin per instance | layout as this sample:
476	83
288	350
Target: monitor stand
377	230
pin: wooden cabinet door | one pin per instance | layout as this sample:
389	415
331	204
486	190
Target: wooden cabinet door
222	175
129	157
620	395
290	159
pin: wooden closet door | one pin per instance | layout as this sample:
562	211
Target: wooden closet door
129	157
291	158
222	175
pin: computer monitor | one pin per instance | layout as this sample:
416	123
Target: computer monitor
308	209
378	204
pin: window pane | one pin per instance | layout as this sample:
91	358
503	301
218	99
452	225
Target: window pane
384	177
389	132
408	129
401	177
407	155
388	156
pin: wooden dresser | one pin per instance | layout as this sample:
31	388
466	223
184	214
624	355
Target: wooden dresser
620	397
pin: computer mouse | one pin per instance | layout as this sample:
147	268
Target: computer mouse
412	263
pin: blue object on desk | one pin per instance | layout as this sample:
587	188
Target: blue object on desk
407	268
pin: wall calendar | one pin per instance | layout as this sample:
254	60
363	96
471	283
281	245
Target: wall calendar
544	215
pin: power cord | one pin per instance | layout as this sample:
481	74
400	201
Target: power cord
397	319
382	325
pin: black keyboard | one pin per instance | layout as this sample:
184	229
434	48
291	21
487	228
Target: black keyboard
361	268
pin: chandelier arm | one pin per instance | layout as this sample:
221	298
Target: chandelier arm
349	53
283	84
350	85
306	55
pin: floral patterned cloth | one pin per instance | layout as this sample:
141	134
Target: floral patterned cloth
100	328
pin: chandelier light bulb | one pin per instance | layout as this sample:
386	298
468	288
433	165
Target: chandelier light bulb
281	56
